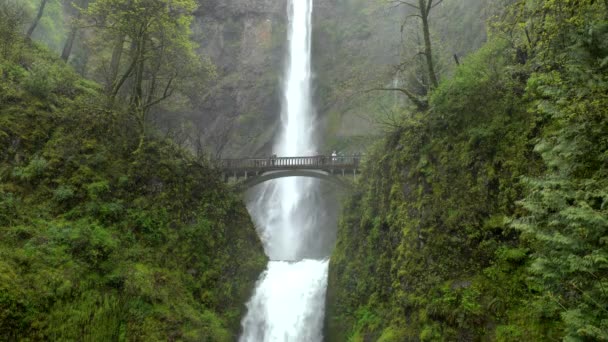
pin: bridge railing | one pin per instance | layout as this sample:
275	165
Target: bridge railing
290	162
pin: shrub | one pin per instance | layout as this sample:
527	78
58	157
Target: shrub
63	193
12	18
8	205
46	78
97	189
33	170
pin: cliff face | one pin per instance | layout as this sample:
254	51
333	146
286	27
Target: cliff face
464	225
245	39
424	248
360	45
356	45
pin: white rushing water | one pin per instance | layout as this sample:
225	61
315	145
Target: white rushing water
288	303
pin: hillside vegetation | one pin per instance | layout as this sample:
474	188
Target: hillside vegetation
107	234
484	217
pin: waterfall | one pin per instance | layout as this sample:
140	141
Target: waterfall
288	302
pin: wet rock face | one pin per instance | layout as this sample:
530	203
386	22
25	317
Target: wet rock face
245	39
228	8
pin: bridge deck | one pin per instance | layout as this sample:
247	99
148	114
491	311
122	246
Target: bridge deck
254	166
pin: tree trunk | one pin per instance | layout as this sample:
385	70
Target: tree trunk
118	84
30	31
137	92
425	8
69	43
139	74
81	66
115	63
138	97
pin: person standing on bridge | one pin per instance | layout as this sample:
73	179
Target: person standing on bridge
334	156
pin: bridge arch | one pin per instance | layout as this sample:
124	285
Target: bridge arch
267	176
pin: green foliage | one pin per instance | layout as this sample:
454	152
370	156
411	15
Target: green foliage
98	243
63	193
393	334
35	169
162	57
438	242
8	207
51	29
46	78
12	19
567	215
91	317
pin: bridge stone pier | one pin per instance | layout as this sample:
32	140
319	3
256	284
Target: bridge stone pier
250	172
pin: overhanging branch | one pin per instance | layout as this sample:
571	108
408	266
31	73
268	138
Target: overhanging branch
420	103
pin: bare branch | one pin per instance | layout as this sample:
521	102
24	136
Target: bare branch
401	2
436	4
420	103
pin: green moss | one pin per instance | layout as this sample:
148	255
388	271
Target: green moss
426	244
99	243
483	218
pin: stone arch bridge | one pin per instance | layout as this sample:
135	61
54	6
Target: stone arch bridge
250	172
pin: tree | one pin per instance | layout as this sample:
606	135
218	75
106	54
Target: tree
30	31
12	17
76	11
117	50
160	54
422	10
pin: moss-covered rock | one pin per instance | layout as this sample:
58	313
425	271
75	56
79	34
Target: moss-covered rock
100	239
484	218
425	251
